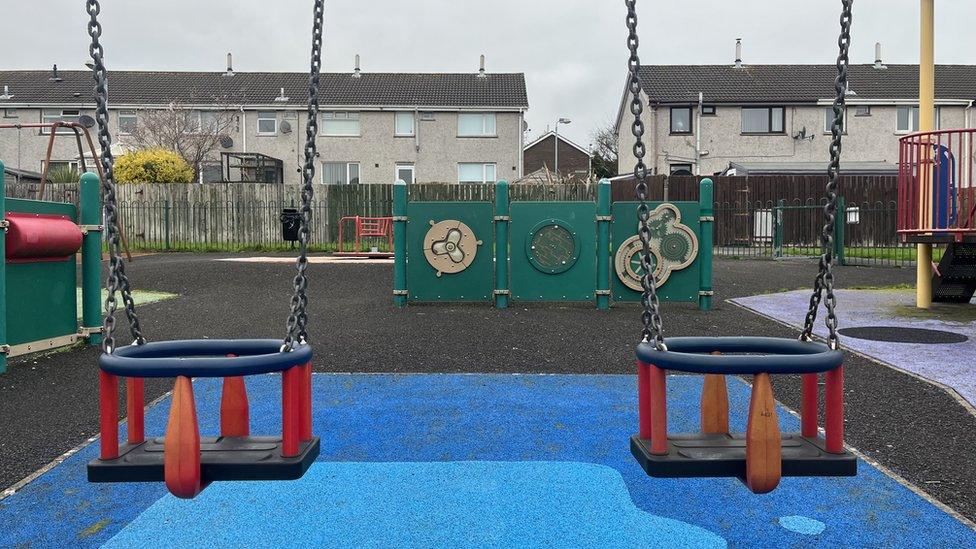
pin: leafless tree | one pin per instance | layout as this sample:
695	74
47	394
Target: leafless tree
605	150
192	133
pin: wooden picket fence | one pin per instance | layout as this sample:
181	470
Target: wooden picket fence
231	217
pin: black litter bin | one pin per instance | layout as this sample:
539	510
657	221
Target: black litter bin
291	221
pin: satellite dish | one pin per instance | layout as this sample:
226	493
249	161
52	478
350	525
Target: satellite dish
226	141
285	126
86	121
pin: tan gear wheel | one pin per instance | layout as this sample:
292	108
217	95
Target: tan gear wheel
450	246
627	264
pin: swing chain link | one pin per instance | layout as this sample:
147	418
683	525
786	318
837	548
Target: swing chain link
652	330
825	278
117	280
297	332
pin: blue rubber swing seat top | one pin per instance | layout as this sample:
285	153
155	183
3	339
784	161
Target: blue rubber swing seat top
204	358
741	355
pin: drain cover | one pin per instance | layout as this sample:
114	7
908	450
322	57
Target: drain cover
894	334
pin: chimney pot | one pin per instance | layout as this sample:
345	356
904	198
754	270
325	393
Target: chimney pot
481	69
877	56
230	65
54	73
738	53
356	71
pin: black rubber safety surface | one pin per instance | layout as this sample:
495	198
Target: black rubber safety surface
717	455
221	458
900	334
49	403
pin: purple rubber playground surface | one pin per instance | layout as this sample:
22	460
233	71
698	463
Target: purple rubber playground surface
949	364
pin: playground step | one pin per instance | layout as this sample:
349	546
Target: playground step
957	280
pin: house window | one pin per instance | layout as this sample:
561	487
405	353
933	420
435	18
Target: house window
862	110
427	116
908	119
681	169
49	116
680	120
763	120
404	123
476	172
74	165
267	123
10	113
708	110
479	124
127	122
341	124
340	173
829	120
209	122
404	172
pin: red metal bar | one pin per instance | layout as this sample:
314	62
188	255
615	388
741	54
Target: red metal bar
108	415
305	423
290	410
644	400
659	411
359	232
135	403
834	416
808	412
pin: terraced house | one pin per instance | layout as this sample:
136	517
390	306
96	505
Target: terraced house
775	119
373	127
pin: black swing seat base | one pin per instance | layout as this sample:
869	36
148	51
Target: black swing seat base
721	455
221	458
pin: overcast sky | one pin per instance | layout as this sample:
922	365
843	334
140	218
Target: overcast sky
573	52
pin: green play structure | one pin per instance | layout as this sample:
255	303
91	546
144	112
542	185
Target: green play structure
548	251
39	276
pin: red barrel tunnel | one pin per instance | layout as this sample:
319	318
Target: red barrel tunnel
41	237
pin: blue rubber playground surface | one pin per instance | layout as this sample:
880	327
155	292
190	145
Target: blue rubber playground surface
473	460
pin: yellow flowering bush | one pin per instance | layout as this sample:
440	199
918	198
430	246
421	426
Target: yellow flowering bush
153	166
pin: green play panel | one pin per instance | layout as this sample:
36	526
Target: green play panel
553	251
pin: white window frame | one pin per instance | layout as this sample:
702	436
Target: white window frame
397	131
485	117
262	116
127	113
341	115
349	178
484	171
915	120
47	118
829	119
403	166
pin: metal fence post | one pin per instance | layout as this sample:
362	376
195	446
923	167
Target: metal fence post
400	243
90	215
840	220
166	224
706	227
603	245
3	273
502	220
778	214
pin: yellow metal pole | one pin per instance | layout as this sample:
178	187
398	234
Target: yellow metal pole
926	123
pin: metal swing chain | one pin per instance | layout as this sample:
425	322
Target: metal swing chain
825	278
117	281
652	330
298	316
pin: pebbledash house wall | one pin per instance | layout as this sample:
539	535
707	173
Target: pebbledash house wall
867	138
435	151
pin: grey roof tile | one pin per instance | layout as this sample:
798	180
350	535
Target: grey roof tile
338	89
797	83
